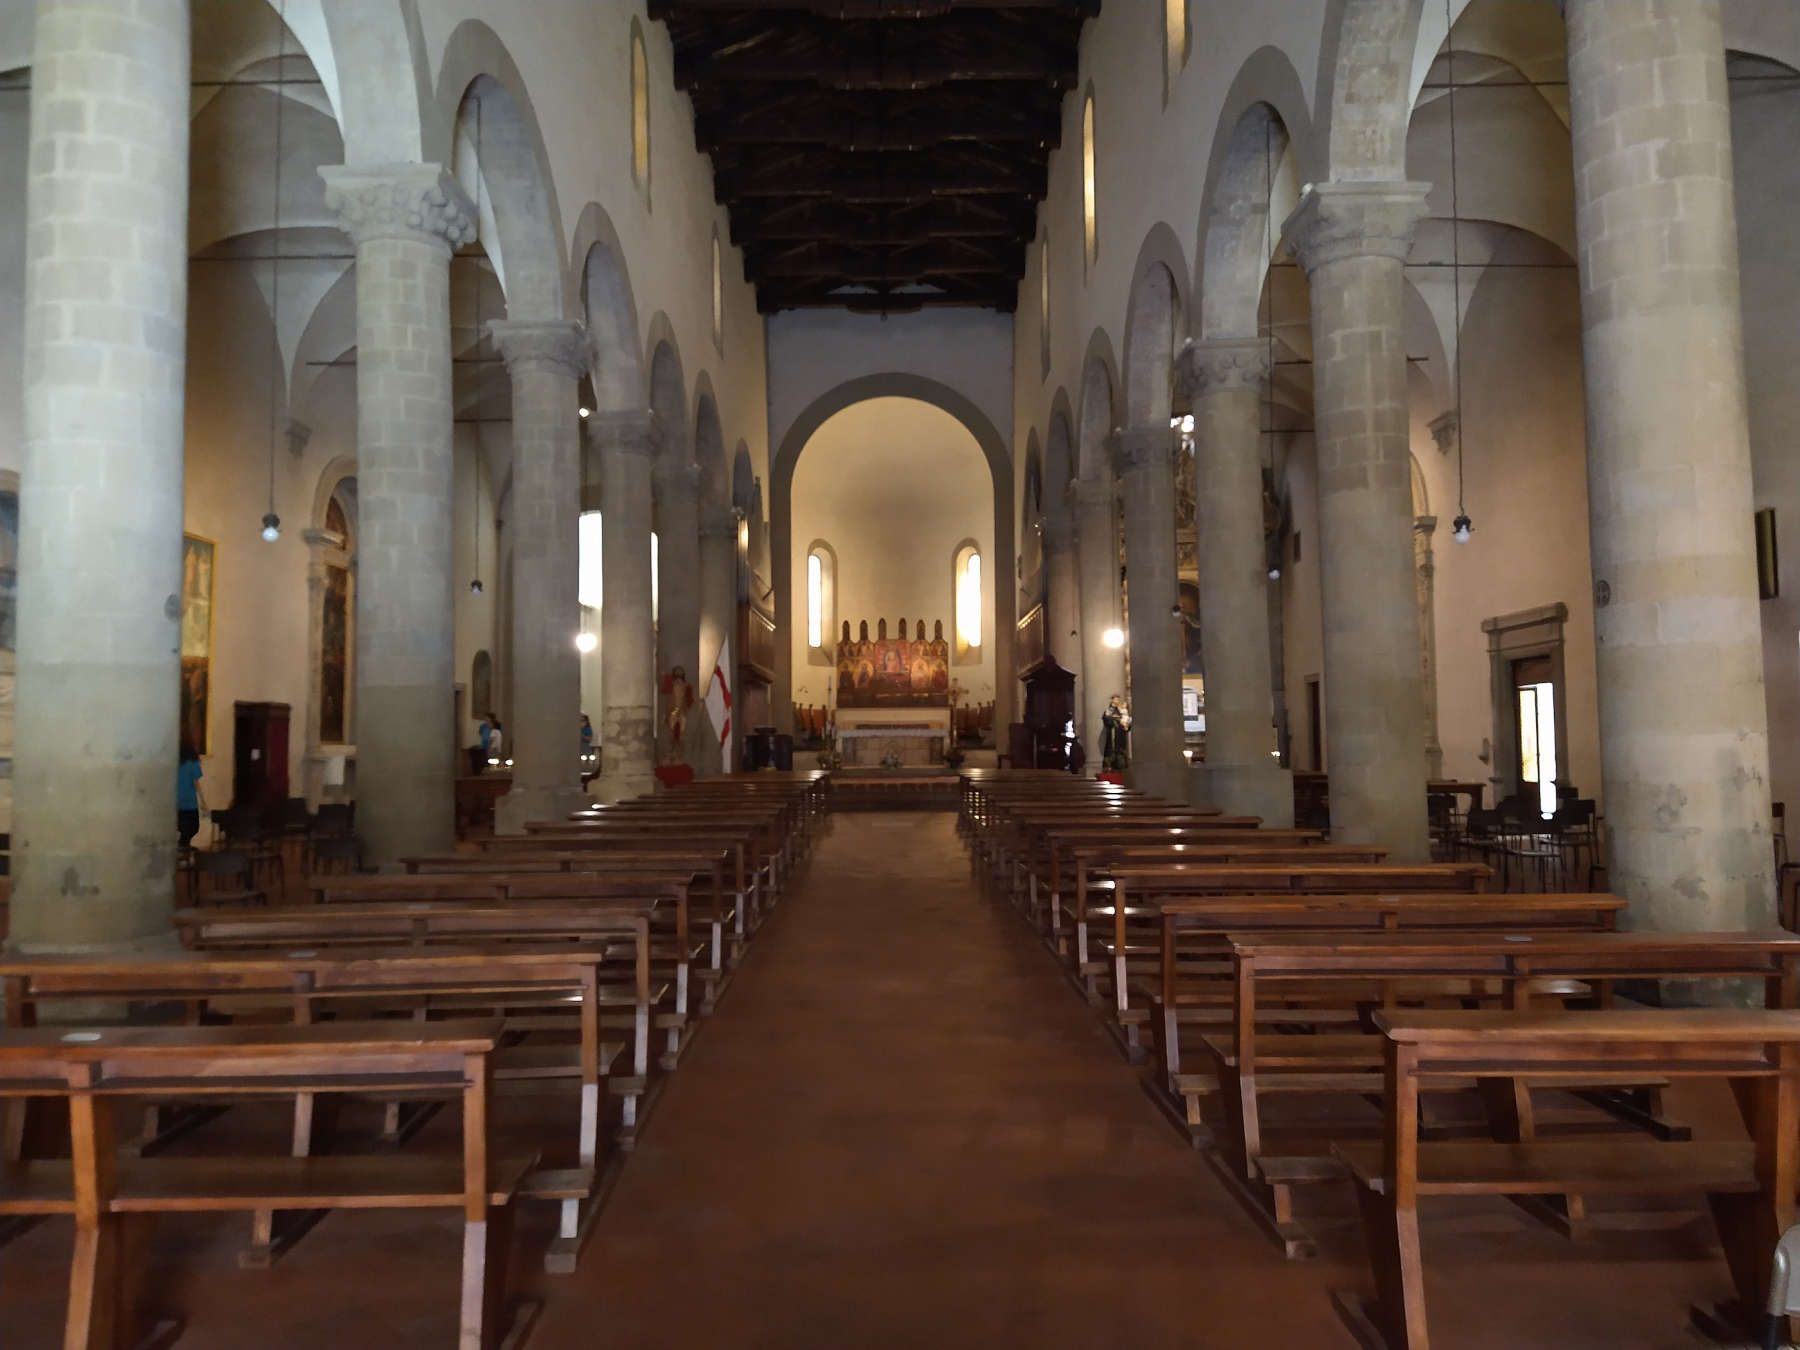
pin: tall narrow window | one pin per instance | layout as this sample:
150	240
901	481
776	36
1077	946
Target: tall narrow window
821	602
640	110
1175	41
589	592
1044	301
815	600
718	294
655	582
1089	189
969	602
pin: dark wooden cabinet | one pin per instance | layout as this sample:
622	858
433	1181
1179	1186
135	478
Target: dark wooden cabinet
260	757
1049	705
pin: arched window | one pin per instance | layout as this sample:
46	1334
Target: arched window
968	599
1089	188
1175	42
821	602
1044	302
718	293
640	110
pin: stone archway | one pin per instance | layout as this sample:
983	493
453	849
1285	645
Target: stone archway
993	449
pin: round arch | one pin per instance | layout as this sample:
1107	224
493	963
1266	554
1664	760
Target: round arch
1099	383
1153	323
1237	234
480	92
781	476
383	82
709	445
608	308
668	393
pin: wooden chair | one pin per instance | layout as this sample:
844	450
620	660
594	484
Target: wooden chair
224	877
334	818
334	855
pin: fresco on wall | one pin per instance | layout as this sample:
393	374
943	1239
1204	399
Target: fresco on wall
893	672
334	656
196	638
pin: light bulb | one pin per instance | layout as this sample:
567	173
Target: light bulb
1274	574
271	527
585	412
1113	638
586	642
475	587
1460	529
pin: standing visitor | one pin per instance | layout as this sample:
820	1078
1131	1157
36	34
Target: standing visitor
187	795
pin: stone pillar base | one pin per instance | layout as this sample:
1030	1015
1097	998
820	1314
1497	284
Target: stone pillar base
620	787
522	805
1169	781
1247	790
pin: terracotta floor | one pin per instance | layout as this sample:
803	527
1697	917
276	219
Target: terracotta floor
902	1129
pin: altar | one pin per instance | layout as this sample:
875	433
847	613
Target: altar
918	737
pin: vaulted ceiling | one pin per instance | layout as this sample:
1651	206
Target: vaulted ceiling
879	154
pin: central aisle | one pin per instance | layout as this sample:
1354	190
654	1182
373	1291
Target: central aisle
903	1129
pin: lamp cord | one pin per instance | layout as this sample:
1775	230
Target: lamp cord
1455	257
278	374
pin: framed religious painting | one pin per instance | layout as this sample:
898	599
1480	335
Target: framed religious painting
197	558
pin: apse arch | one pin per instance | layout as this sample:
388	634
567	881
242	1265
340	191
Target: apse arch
781	481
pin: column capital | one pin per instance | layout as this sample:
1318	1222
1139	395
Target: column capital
420	202
1147	448
1222	366
674	482
719	521
559	344
1335	221
1091	491
632	431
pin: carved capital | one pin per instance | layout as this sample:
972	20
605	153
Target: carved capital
559	345
676	482
1356	220
719	522
1222	366
297	434
632	432
1143	448
1086	493
1445	428
400	201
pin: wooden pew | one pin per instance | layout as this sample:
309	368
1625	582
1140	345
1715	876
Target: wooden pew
1193	969
112	1199
1303	979
726	861
544	989
1749	1183
1139	888
673	952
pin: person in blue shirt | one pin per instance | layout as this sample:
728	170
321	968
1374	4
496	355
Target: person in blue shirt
187	795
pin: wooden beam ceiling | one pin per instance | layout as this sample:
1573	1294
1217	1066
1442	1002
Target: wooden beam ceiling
879	154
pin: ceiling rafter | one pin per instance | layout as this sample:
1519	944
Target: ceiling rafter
879	154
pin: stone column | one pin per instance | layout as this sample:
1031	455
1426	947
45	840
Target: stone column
1683	725
545	361
678	584
100	556
1225	385
1097	559
405	220
1425	564
627	444
1352	239
1062	605
718	621
1147	479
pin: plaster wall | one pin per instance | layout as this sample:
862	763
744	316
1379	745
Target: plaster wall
813	351
894	485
